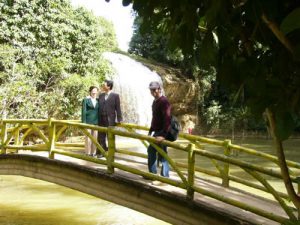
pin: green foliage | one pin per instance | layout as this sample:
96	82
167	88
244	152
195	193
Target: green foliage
47	49
72	90
152	45
242	40
17	95
216	111
213	115
291	223
291	22
285	124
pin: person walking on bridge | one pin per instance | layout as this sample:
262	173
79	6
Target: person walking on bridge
109	112
89	115
160	124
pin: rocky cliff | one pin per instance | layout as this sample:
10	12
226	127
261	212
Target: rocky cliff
181	92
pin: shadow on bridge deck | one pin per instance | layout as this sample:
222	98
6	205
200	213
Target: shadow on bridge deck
164	202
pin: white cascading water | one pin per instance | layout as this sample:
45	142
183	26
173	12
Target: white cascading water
131	81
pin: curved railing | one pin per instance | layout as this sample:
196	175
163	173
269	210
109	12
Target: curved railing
16	132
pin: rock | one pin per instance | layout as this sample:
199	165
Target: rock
182	93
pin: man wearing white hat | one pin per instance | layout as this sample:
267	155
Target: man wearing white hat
160	124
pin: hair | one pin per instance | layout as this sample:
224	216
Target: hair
109	83
92	87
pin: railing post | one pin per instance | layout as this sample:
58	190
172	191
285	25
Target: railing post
3	136
298	192
17	138
191	171
225	177
111	150
51	143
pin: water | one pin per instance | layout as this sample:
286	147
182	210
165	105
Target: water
131	81
291	150
26	201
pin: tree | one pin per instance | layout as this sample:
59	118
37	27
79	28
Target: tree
50	53
254	46
212	100
152	45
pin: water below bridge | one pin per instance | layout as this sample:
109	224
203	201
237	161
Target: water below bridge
26	201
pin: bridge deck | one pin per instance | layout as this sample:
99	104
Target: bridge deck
207	185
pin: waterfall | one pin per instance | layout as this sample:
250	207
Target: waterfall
131	81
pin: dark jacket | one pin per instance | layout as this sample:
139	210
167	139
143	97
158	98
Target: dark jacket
161	116
110	108
89	113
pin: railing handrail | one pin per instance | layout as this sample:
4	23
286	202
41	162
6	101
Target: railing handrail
189	137
193	146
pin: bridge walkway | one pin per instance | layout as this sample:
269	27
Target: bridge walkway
201	199
203	192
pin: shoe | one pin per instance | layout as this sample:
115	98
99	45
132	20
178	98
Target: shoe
98	156
156	183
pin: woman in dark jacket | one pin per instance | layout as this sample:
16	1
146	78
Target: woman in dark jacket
89	115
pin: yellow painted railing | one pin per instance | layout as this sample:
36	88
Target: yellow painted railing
15	134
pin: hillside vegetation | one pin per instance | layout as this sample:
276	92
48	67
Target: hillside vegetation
50	53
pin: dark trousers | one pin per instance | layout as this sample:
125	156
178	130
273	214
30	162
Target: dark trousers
154	156
102	136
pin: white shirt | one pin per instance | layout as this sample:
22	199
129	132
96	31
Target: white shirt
94	100
106	95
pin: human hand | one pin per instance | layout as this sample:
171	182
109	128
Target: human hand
159	139
118	123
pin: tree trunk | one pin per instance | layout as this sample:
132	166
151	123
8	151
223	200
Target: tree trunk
282	162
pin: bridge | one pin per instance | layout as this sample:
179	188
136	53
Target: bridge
192	195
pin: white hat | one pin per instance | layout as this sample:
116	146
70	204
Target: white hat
154	85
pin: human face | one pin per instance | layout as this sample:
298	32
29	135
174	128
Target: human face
94	92
105	88
155	93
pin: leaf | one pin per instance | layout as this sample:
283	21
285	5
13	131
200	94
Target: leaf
297	52
126	2
291	22
214	11
208	50
285	125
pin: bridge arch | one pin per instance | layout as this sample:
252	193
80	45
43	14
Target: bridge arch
114	188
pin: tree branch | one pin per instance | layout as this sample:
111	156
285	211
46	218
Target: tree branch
282	161
276	31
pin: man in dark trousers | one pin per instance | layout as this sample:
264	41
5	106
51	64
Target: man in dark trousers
160	124
109	111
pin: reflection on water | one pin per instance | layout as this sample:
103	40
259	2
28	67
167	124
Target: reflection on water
26	201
